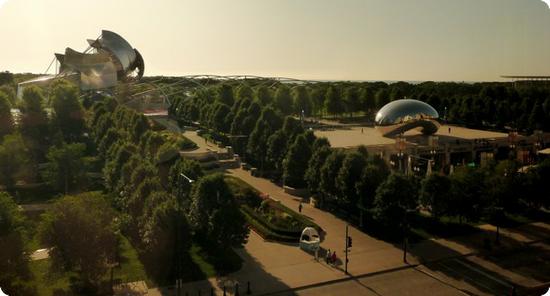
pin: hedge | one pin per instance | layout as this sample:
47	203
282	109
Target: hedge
263	231
267	228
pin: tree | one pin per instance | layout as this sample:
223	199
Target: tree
14	160
371	177
352	99
366	97
180	186
113	167
263	95
302	101
537	117
535	186
267	124
6	78
348	175
317	98
13	257
381	98
313	172
139	125
82	233
66	169
225	94
394	197
295	163
277	149
6	119
245	92
333	103
69	115
164	234
34	124
10	93
218	119
135	203
212	206
329	172
467	196
283	100
434	194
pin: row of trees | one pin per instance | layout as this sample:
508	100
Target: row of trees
477	104
38	135
160	208
471	194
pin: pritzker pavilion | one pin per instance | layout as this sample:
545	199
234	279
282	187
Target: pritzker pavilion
108	60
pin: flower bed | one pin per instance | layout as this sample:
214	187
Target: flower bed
269	218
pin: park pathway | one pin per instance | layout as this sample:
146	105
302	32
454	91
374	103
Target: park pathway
367	255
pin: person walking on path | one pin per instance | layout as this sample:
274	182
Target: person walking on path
333	258
327	257
300	207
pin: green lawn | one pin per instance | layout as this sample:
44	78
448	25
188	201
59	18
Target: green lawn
47	282
131	269
207	269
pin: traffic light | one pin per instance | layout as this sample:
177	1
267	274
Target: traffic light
349	241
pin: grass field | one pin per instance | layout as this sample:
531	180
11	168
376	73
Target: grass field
48	282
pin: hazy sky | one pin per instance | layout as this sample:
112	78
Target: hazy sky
463	40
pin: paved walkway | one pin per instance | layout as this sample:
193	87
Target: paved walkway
203	146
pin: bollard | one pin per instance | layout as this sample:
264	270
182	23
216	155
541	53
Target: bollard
224	291
211	291
237	289
248	291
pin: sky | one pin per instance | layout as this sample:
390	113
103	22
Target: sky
440	40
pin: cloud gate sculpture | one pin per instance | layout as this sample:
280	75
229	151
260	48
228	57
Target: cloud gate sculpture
402	115
110	59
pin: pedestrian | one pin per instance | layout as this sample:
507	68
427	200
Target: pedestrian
361	130
449	130
300	207
327	257
333	258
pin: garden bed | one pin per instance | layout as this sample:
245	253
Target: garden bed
269	218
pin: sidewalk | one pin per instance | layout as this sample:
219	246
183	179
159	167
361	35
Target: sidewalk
378	254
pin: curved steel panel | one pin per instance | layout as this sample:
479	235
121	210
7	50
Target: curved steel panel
401	111
118	46
428	127
402	115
